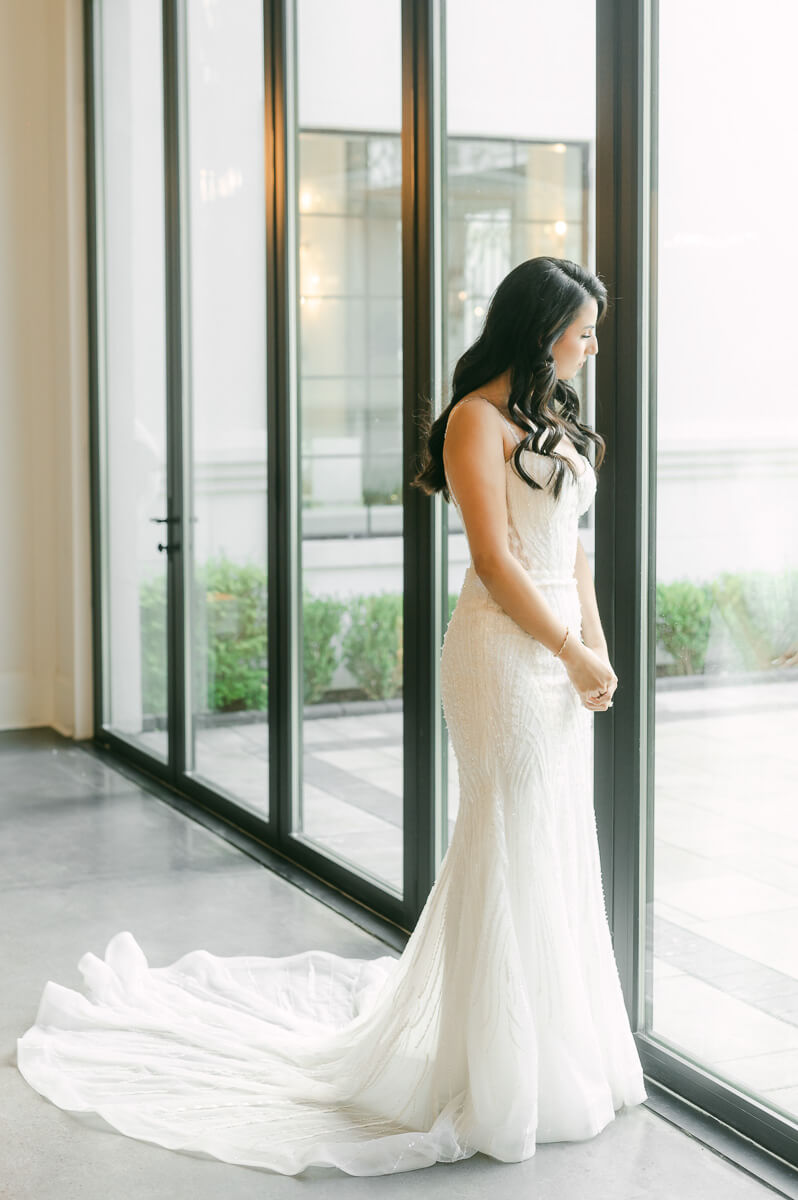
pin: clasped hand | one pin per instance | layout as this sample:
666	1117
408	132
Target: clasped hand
593	677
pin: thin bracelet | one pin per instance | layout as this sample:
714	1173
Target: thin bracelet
562	647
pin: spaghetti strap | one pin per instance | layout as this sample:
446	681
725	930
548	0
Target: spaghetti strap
512	428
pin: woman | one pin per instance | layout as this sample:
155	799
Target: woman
502	1024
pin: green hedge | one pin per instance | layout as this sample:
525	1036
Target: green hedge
372	645
683	624
753	613
321	623
152	618
230	624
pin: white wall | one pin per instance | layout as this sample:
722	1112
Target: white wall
45	621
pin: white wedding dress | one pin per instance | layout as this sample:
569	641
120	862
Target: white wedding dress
501	1025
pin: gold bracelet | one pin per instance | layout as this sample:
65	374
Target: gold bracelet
562	647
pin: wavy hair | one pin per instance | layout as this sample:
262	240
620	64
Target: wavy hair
532	306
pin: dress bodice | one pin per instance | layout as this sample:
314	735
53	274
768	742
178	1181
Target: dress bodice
542	531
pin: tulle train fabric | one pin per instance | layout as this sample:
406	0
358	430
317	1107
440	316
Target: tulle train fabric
501	1026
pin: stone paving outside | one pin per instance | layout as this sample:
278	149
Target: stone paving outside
723	981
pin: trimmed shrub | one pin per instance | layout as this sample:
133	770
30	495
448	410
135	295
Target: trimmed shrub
683	623
152	622
748	618
235	639
372	645
230	640
321	624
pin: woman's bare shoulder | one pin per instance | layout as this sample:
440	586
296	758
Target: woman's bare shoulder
477	428
474	445
475	415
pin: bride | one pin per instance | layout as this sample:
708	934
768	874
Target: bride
502	1025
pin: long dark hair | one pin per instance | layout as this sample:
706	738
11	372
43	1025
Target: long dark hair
531	307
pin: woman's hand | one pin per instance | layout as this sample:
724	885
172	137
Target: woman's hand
591	674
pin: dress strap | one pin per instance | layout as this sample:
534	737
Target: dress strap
512	428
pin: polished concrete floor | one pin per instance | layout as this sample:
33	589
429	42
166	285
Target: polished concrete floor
84	854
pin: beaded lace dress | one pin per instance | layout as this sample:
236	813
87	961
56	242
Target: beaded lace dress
501	1025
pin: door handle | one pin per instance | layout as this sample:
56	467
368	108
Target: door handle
169	547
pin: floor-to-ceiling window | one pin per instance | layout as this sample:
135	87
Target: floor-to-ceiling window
130	366
519	182
349	385
253	254
724	947
224	391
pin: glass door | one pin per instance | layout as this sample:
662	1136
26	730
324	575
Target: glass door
180	325
200	333
137	534
224	322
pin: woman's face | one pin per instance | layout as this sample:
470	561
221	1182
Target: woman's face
572	347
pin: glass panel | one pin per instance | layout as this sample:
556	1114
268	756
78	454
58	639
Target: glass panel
225	388
723	954
132	369
350	417
520	182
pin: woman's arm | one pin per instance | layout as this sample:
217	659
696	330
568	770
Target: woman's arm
592	632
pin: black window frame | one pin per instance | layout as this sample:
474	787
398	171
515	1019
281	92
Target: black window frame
624	523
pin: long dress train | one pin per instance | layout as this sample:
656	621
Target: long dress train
502	1024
